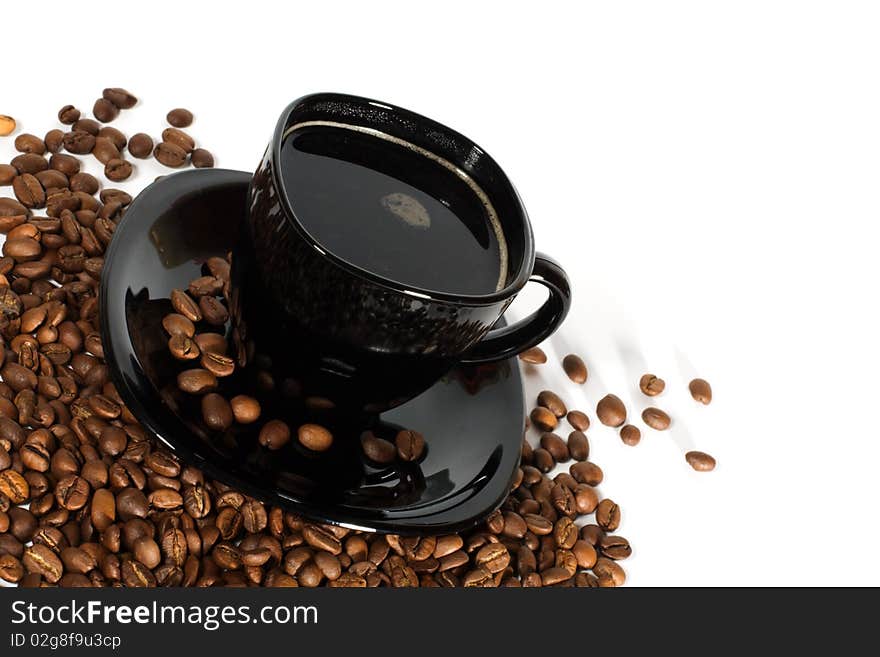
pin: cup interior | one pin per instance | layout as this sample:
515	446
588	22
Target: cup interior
435	139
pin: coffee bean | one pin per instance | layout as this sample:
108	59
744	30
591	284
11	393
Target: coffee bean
140	146
556	446
410	445
103	509
183	348
88	125
26	143
609	571
608	515
211	342
84	182
543	419
66	164
216	411
586	472
543	460
54	140
115	136
68	115
611	411
104	110
165	498
29	191
538	524
585	499
217	364
79	142
14	486
585	554
630	435
245	409
615	547
378	449
205	285
7	173
171	155
105	150
179	138
44	562
655	418
213	311
514	525
7	125
552	402
120	97
575	368
578	446
275	434
77	560
137	575
202	159
72	492
578	420
117	170
176	324
11	569
314	437
196	381
534	356
185	306
700	461
180	118
651	385
701	391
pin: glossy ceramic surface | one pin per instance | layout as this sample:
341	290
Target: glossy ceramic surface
472	419
380	342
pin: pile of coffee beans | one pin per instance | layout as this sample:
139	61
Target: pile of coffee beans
88	498
611	411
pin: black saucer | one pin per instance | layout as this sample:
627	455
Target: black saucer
472	420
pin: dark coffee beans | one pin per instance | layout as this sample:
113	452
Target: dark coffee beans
275	434
378	449
656	419
117	170
171	155
314	437
542	418
104	110
534	356
578	446
701	391
630	435
201	159
575	368
651	385
410	445
68	115
700	461
120	97
611	411
180	118
140	146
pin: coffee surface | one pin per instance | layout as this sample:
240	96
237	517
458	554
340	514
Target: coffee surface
392	211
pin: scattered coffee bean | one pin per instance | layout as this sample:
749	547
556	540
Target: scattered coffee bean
245	409
630	435
585	472
543	460
68	115
105	151
700	461
543	419
7	125
201	159
533	356
556	446
120	97
575	368
7	174
26	143
701	391
275	434
216	412
184	305
378	449
578	420
171	155
117	170
140	146
656	419
104	110
180	118
615	547
410	445
651	385
552	402
314	437
79	142
196	381
578	446
611	411
608	515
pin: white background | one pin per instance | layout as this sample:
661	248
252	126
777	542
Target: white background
706	172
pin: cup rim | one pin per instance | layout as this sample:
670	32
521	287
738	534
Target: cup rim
516	283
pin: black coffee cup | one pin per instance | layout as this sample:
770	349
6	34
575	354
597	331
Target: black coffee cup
319	328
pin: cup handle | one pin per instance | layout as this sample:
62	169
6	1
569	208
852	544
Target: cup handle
502	343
